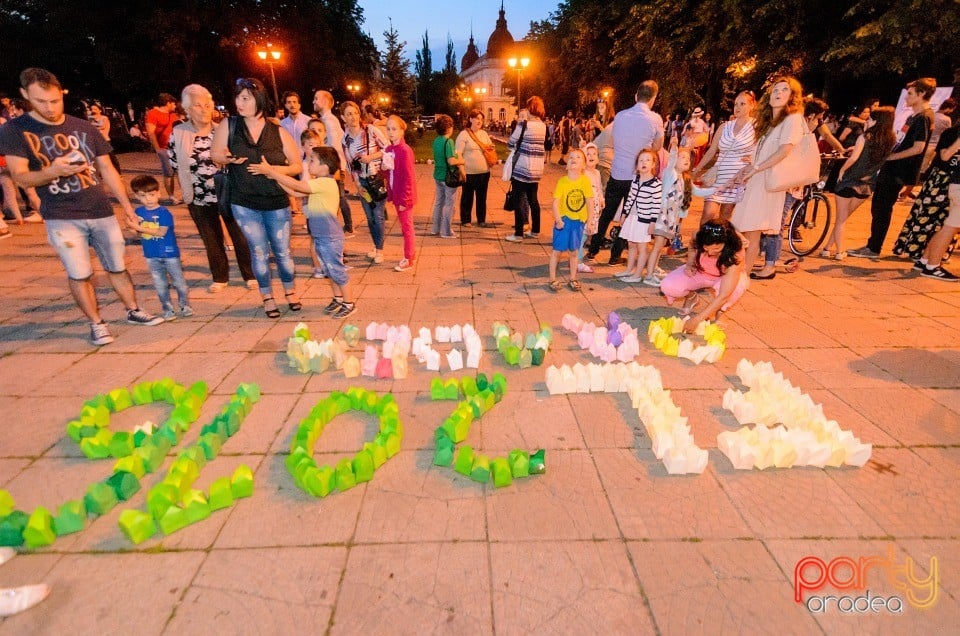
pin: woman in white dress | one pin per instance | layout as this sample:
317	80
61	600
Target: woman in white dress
733	147
779	127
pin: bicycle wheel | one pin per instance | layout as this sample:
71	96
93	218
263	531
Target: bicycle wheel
809	224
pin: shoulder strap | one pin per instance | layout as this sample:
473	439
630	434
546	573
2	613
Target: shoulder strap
516	154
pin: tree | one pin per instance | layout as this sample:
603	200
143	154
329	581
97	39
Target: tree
423	66
396	79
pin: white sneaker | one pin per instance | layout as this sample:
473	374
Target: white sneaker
319	273
216	288
100	334
403	265
16	599
513	238
186	311
632	279
169	315
624	274
583	268
652	281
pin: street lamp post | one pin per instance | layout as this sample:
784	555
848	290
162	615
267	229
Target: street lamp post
519	64
271	55
354	88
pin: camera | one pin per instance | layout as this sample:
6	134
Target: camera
356	166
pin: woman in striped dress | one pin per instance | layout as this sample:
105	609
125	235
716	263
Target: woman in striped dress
733	145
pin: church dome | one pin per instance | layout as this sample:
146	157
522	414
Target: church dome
500	42
470	57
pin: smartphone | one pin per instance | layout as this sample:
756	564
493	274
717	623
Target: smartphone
76	158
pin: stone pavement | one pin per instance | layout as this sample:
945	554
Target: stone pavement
604	542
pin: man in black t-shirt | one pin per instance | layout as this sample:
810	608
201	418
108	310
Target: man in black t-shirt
902	166
67	160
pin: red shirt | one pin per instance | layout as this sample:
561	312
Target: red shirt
164	122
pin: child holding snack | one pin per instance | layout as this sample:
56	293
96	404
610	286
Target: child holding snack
572	200
160	246
593	215
321	212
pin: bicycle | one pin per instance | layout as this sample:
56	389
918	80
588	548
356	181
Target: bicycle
812	213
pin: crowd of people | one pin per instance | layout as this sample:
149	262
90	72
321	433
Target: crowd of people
630	180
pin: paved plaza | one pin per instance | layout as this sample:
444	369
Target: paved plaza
604	542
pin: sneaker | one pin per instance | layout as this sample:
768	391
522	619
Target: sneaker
940	274
839	256
624	274
345	310
513	238
632	279
583	268
186	311
403	265
530	235
33	218
864	252
140	317
169	315
253	284
332	307
17	599
100	334
448	236
319	273
919	266
216	288
652	281
375	257
617	261
466	224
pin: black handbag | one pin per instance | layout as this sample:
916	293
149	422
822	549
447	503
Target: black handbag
221	178
375	186
512	201
453	178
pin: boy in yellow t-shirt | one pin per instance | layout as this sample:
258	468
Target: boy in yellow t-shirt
572	200
323	203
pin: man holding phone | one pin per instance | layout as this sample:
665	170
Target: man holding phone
67	160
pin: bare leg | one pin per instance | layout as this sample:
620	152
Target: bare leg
938	245
726	210
573	265
753	249
643	250
631	255
171	189
845	207
86	298
658	243
10	198
554	257
123	285
711	210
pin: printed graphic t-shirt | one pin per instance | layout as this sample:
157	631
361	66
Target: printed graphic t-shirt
80	196
158	246
573	195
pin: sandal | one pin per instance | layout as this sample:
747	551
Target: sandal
295	305
555	285
574	285
271	313
686	310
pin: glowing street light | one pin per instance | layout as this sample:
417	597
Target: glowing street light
271	55
354	88
519	64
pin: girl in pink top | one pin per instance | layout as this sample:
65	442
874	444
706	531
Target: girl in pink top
401	186
715	261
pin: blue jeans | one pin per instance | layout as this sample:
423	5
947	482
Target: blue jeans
160	269
443	209
266	231
374	212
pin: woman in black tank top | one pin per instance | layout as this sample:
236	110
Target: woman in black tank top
260	206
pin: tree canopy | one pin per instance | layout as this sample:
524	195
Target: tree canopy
132	50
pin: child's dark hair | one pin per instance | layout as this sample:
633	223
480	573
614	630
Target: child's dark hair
145	183
328	157
717	232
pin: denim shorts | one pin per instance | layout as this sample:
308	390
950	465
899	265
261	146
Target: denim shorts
165	166
73	238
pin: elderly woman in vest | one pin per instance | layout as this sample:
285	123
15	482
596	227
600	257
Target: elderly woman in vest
189	151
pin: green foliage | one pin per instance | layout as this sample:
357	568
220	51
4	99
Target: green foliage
396	80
